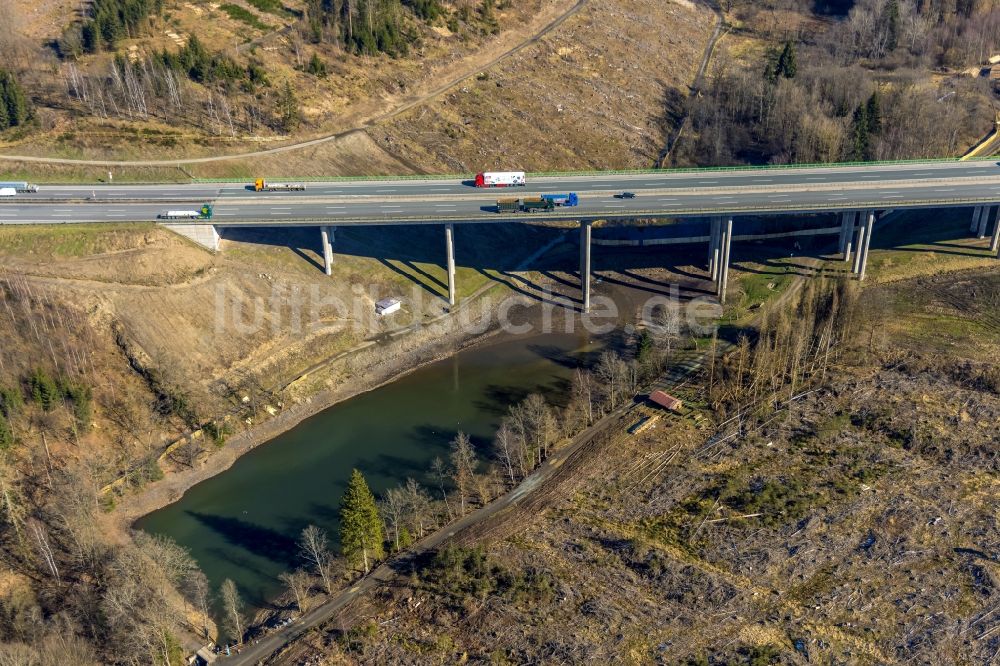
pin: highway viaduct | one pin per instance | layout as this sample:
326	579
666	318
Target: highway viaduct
858	193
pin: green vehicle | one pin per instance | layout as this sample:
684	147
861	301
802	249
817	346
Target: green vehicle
537	203
526	205
508	205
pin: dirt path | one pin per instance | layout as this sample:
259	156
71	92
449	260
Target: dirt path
382	110
720	22
527	498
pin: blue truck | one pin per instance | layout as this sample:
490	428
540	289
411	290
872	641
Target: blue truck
568	200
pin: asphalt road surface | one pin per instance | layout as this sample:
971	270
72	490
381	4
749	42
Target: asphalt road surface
430	201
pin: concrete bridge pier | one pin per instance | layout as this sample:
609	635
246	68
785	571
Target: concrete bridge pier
326	234
859	243
995	242
849	231
714	249
449	242
726	244
868	225
585	263
977	213
984	222
846	231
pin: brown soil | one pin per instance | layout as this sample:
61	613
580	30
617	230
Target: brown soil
599	92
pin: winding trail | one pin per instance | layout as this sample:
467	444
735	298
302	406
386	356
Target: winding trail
468	70
720	22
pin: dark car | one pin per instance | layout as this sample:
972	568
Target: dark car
626	195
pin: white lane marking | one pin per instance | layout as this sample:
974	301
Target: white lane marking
707	182
225	214
872	177
951	189
922	174
392	190
115	215
762	180
614	206
281	208
898	196
280	213
335	207
651	184
668	199
439	189
816	178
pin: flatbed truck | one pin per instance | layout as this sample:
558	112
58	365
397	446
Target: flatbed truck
204	213
20	186
263	185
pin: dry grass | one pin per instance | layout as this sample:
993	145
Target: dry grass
594	93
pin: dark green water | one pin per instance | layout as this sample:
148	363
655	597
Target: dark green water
243	524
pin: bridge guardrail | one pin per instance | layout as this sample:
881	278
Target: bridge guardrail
612	172
779	207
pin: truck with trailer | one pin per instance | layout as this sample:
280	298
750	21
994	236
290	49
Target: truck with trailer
204	213
19	186
567	200
263	185
525	205
500	179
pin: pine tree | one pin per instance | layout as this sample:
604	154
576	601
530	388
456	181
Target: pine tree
288	108
361	528
16	110
860	134
890	16
787	65
874	110
6	436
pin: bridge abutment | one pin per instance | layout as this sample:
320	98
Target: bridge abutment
205	235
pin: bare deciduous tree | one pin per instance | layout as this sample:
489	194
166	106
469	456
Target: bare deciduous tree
314	546
232	606
298	583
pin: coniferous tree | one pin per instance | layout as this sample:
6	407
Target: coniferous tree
361	528
6	436
874	110
860	133
787	65
288	108
14	107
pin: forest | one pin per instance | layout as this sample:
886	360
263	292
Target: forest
857	88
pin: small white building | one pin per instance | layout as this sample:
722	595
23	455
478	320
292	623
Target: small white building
387	306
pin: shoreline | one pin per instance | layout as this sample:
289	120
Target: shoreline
174	485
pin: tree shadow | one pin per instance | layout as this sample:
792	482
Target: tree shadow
423	285
262	541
